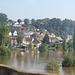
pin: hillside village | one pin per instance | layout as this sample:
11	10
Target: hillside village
33	35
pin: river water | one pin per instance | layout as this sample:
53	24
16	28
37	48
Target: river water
35	61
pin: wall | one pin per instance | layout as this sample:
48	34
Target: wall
7	70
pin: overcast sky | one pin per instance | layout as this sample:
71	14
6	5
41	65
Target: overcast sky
38	9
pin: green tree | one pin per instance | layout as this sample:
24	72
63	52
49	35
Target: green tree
43	47
68	61
64	44
26	21
3	17
31	45
52	65
74	40
70	43
19	39
3	39
46	39
19	21
3	33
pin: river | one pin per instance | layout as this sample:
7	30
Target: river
35	61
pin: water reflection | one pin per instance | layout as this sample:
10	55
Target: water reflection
35	61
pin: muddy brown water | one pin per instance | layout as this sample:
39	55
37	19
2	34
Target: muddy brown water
35	61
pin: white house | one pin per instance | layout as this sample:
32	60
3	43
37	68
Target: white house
13	33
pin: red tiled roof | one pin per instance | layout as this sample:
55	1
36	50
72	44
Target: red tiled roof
59	38
52	34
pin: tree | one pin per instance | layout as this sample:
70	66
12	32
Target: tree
19	39
64	44
19	21
52	65
70	43
74	40
3	39
3	33
46	39
31	45
3	17
26	21
43	47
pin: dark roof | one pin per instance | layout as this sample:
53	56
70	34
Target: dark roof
36	41
28	39
12	31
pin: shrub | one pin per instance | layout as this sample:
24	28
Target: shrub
4	51
52	65
43	47
68	61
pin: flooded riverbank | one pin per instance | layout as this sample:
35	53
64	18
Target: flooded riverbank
35	61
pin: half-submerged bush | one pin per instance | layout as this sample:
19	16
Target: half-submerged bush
52	65
4	51
43	47
69	61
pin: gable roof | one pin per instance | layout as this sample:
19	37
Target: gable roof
28	39
52	34
36	41
12	31
59	38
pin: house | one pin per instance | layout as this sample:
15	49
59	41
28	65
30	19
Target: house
26	34
67	39
60	39
52	35
26	41
13	41
70	36
36	43
56	40
13	33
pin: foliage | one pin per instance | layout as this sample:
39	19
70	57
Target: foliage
46	39
26	21
69	60
19	39
34	35
31	45
4	51
19	21
52	65
70	43
3	17
74	39
43	47
64	44
55	25
3	33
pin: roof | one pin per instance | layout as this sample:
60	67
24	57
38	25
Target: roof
59	38
36	41
12	31
68	39
28	39
52	34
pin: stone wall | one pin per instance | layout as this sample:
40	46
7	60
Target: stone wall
7	70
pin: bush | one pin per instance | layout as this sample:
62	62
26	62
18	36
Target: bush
69	60
4	51
43	47
52	65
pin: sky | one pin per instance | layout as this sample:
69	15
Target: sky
38	9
